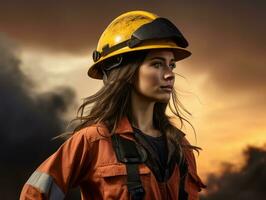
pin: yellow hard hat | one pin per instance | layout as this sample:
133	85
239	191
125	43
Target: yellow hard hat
135	31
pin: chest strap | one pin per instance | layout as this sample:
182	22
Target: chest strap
183	170
131	154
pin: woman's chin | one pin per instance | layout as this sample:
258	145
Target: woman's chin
164	99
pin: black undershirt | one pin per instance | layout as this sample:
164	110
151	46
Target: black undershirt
158	144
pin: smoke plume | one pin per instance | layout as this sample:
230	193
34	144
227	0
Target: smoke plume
28	121
244	184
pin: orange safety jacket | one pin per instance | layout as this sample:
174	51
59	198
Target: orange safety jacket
88	160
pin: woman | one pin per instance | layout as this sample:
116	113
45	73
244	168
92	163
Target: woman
126	147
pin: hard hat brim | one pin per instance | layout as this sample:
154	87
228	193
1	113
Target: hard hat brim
179	53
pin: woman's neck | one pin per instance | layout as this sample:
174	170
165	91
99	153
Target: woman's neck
142	111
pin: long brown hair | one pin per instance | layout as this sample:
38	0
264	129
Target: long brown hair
113	101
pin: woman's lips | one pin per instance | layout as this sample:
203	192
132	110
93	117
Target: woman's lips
167	88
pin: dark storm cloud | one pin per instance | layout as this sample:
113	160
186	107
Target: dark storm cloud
28	121
244	184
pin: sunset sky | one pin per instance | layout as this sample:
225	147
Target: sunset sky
225	80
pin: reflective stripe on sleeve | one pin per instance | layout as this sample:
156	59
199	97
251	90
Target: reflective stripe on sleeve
45	183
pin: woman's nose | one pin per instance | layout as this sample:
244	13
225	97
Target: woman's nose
169	75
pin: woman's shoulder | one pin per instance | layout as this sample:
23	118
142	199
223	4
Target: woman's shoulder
182	138
189	150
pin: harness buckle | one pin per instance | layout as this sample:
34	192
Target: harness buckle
136	190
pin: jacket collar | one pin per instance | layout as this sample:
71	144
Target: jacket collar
124	127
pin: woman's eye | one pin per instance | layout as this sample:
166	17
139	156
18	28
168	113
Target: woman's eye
157	64
173	65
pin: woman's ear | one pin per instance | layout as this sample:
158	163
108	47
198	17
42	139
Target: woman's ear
104	77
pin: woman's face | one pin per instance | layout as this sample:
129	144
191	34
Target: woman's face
155	78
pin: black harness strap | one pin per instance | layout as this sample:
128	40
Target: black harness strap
183	171
131	154
134	183
183	168
128	153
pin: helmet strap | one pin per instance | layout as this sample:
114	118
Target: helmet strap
109	67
